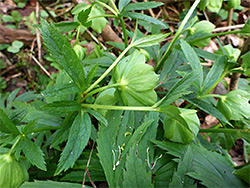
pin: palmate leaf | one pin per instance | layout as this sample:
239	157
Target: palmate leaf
63	53
135	174
33	153
78	138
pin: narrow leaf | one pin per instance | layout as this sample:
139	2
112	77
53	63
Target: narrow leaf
62	106
60	90
33	153
50	184
142	6
6	125
29	127
98	116
122	4
78	138
149	40
62	52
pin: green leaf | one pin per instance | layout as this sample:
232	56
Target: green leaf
6	124
33	153
17	44
246	63
144	17
83	17
11	98
62	106
180	179
179	89
91	74
50	184
193	59
141	6
78	138
60	90
122	4
214	6
208	108
29	127
149	40
136	174
214	73
243	173
98	116
66	26
63	53
105	145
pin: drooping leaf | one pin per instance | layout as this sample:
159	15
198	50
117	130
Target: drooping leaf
6	125
98	116
33	153
243	173
135	174
50	184
63	53
78	138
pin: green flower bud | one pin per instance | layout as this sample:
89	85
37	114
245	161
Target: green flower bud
80	51
12	172
233	3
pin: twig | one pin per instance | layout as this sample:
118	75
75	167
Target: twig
151	11
8	69
13	76
38	34
91	181
95	39
86	171
219	29
6	60
40	65
46	10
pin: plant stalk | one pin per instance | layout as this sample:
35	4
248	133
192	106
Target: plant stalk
107	71
178	33
14	145
223	130
109	107
125	35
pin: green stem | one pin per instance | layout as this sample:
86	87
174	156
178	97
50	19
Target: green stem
211	95
109	107
102	88
124	31
178	33
77	35
103	15
46	129
108	70
108	7
214	35
223	130
114	6
14	145
208	134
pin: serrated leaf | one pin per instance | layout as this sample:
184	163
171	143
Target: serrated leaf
91	74
135	174
180	179
144	17
29	127
11	98
62	106
67	26
33	153
179	89
60	90
141	6
149	40
50	184
6	125
193	59
63	53
83	17
208	108
78	138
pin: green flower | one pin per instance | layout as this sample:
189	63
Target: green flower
234	105
175	131
137	80
12	172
